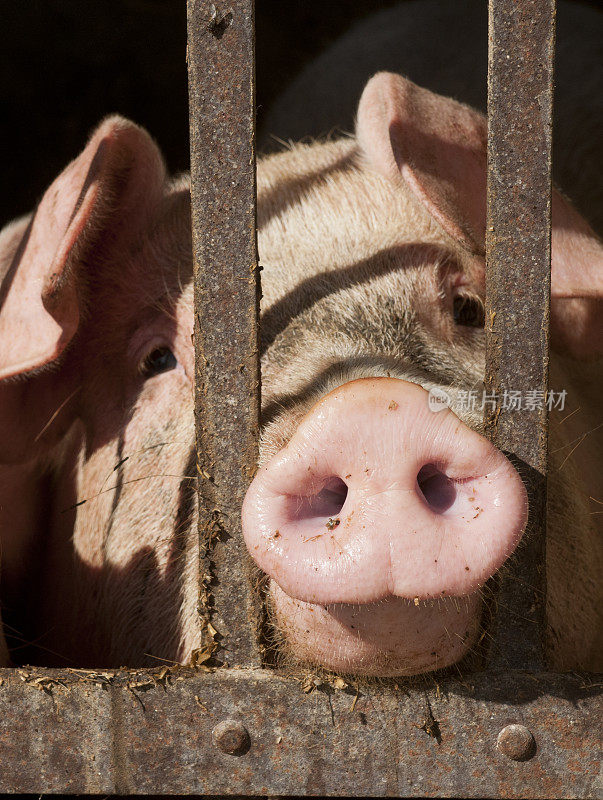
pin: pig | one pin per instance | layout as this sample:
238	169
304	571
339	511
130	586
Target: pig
100	556
376	522
443	47
403	209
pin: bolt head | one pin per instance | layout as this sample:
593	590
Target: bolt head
516	742
231	737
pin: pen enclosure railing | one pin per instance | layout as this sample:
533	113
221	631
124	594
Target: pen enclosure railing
513	730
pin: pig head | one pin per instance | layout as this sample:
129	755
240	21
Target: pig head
378	522
97	475
367	509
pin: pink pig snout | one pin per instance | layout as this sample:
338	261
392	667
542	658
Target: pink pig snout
377	496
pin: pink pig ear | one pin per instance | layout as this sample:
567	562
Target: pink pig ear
438	147
120	170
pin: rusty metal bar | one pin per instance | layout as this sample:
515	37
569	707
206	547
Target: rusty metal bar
518	250
164	732
227	376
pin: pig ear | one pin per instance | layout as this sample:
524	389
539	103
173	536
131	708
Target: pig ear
117	178
438	148
436	145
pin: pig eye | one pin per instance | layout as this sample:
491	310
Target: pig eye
468	311
160	359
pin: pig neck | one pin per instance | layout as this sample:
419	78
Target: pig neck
578	425
23	499
19	518
31	513
575	522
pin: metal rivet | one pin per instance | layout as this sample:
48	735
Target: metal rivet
231	737
516	742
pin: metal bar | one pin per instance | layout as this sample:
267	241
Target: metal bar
518	237
162	732
227	375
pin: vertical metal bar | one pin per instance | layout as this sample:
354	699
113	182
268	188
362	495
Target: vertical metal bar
518	241
222	129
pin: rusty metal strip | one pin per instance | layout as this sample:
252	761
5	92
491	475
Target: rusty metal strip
222	124
518	236
251	732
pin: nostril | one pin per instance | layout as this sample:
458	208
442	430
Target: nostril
333	495
437	489
326	503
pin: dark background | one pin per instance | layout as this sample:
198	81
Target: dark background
65	64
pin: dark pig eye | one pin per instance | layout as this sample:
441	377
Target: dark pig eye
468	311
160	359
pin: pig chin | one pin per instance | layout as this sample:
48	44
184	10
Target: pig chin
391	637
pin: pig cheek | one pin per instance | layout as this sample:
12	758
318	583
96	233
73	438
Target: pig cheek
125	480
151	461
130	521
388	638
